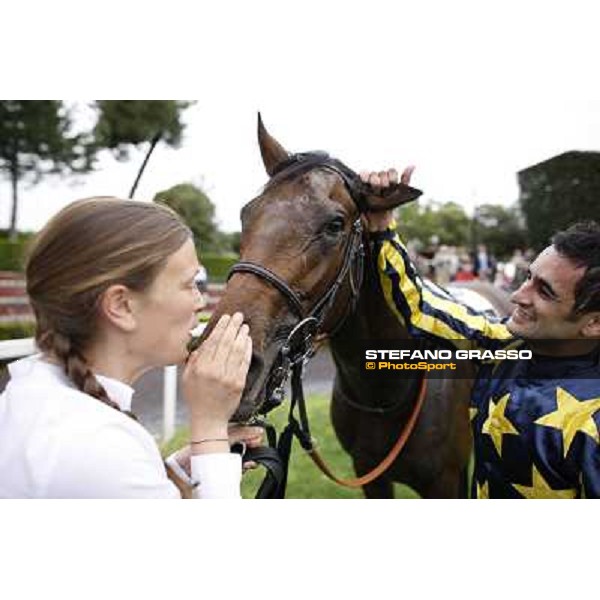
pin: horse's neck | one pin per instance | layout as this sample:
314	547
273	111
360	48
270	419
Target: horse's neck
372	321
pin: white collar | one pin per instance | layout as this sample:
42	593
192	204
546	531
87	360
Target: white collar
37	366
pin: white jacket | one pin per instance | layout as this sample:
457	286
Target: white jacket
57	442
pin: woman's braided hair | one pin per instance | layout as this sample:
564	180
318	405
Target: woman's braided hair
87	247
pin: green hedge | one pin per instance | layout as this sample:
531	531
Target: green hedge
16	330
12	254
12	258
218	265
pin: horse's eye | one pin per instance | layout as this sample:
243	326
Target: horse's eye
335	226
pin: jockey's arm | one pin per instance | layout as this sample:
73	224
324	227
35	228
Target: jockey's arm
424	308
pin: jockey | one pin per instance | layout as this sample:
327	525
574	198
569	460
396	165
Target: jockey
535	422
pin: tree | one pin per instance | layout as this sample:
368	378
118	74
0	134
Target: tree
235	241
227	242
501	229
35	139
36	136
196	209
448	222
453	224
558	192
125	123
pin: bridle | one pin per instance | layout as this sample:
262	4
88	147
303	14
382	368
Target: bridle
299	346
351	266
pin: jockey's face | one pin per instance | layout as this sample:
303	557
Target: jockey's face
546	299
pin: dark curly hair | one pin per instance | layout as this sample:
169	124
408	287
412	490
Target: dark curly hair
580	243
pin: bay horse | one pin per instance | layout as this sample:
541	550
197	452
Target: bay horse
296	237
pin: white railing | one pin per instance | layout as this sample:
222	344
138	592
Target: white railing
16	348
169	401
11	349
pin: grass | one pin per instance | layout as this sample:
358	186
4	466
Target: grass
304	478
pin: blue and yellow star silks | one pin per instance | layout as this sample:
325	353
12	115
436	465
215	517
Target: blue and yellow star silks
572	415
540	488
497	424
536	423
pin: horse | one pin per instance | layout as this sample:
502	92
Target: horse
301	244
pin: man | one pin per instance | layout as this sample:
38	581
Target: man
483	265
535	422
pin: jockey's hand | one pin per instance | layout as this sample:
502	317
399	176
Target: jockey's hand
380	221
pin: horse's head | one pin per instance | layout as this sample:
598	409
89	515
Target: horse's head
300	252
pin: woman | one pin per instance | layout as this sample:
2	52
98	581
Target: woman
111	283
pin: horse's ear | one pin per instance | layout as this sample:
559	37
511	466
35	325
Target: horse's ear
271	150
381	199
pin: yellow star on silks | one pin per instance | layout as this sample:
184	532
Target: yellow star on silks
541	490
483	491
472	412
497	424
572	415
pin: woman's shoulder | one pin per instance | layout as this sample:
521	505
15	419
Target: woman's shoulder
36	385
40	395
60	435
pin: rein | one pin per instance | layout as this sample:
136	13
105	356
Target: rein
383	466
299	346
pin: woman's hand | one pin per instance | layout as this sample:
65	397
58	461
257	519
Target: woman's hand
249	435
213	381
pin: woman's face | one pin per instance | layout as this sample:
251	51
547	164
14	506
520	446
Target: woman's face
167	311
